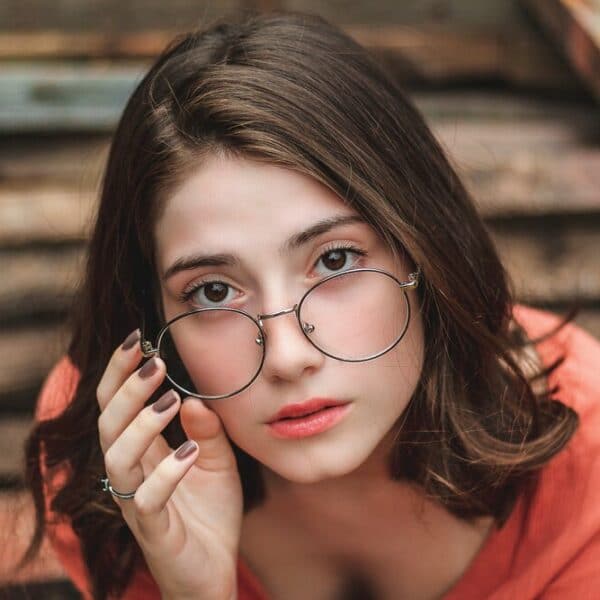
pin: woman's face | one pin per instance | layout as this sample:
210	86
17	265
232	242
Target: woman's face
250	210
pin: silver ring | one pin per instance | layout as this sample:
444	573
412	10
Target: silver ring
106	487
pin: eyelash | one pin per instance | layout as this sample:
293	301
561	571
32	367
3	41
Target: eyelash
186	295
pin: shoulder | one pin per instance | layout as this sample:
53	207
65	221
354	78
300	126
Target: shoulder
562	518
550	545
58	390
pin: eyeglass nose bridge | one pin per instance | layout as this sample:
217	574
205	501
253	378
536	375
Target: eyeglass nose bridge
306	327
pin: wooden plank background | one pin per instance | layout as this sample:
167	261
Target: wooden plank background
521	128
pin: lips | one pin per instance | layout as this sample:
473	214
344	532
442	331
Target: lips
313	405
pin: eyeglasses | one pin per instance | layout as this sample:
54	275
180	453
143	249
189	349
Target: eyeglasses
352	316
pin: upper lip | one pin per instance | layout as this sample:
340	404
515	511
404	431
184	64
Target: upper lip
305	408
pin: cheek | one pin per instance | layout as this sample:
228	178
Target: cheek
219	351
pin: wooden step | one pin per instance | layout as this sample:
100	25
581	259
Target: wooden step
27	356
414	52
516	162
38	281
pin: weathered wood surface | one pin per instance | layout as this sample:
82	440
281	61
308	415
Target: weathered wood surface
13	432
65	97
111	15
27	356
60	158
38	281
575	26
503	181
89	96
520	157
44	213
552	262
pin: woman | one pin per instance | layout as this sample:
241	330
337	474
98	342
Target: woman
359	418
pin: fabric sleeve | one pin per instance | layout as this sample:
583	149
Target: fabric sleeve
580	578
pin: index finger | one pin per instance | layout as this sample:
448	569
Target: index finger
122	363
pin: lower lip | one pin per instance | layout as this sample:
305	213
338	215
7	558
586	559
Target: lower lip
311	424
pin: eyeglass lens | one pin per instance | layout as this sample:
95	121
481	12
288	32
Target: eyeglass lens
353	317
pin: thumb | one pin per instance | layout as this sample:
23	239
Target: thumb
205	427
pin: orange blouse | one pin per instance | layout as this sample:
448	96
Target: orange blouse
549	547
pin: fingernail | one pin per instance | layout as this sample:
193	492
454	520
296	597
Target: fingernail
186	449
131	340
165	401
148	369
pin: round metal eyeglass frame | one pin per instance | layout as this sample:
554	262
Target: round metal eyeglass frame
149	350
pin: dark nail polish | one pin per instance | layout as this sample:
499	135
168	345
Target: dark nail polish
131	340
148	369
186	449
165	401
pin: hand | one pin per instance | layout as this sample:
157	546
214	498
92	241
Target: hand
186	514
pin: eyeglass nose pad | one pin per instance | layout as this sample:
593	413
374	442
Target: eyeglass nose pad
308	328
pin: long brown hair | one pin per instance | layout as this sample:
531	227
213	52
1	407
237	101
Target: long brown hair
293	90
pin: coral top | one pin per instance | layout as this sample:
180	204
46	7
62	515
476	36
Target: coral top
549	547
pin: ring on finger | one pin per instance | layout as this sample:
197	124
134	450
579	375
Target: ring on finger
106	487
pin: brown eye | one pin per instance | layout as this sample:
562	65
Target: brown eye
209	294
339	258
335	259
215	291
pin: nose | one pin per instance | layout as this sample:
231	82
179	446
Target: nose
288	354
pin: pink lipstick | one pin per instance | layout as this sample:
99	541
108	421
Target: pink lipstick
309	418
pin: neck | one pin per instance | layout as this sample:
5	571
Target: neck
382	526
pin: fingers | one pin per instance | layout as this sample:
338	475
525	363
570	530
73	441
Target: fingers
122	460
129	400
204	426
153	494
209	449
123	361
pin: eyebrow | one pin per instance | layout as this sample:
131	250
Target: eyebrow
230	260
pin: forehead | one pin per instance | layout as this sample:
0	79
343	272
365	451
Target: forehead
232	202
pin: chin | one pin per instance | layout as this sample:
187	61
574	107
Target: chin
311	470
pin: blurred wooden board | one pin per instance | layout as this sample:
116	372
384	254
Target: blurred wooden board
575	26
27	356
38	281
111	15
64	96
89	95
507	176
517	156
41	214
552	262
13	432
